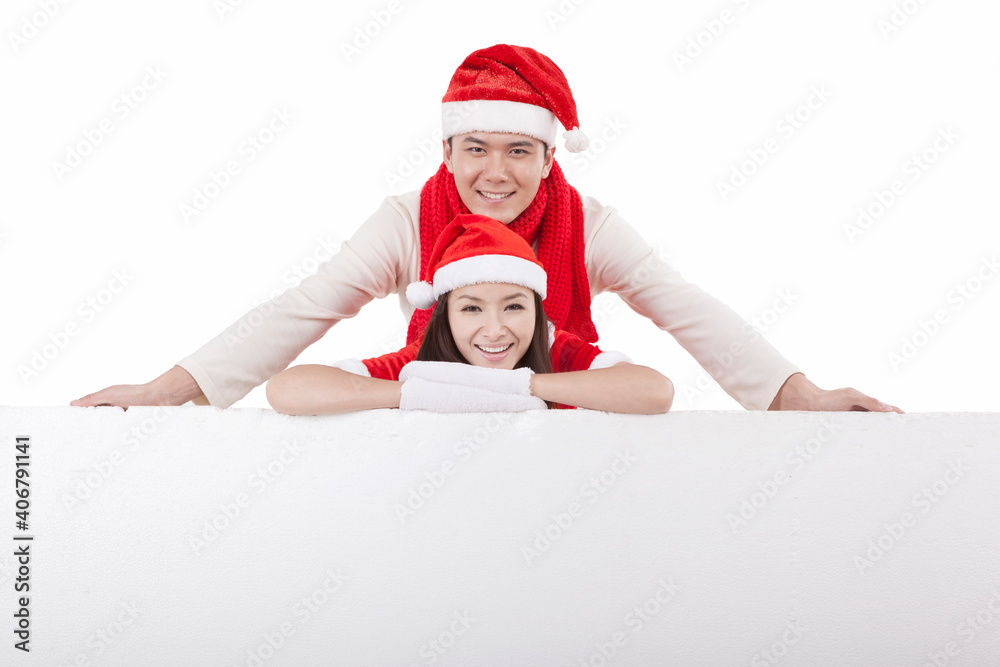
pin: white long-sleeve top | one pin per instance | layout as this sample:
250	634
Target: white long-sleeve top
383	257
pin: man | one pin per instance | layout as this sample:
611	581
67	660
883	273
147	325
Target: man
500	117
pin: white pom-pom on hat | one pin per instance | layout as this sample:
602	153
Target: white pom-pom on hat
576	140
420	294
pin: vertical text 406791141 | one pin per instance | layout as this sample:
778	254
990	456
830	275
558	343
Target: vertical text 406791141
22	549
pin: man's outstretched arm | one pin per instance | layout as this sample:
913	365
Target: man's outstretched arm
175	387
736	356
799	393
270	336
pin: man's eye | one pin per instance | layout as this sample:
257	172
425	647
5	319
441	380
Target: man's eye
519	151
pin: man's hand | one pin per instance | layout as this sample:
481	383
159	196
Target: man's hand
175	387
799	393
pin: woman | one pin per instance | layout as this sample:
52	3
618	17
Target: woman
488	345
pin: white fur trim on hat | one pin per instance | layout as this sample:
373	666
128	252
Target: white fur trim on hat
499	116
609	359
474	270
489	269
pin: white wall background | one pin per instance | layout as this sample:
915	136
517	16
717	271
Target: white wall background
673	133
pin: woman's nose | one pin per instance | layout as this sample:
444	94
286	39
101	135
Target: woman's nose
494	327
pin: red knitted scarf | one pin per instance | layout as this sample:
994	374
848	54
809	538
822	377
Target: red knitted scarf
554	218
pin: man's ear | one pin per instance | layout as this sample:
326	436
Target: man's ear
446	152
550	156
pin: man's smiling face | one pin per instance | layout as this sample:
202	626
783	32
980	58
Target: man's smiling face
497	175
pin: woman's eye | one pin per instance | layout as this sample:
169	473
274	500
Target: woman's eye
470	309
516	306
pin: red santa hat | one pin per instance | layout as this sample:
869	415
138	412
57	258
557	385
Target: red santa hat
512	89
475	249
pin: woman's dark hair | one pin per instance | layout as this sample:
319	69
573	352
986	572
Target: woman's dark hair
439	344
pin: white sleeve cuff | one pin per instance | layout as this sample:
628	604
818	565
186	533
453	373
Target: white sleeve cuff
609	359
516	381
420	394
353	366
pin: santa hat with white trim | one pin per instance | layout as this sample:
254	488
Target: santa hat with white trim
512	89
475	249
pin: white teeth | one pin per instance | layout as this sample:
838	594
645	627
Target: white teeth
494	350
490	195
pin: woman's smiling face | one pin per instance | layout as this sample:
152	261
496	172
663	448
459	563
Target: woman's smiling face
492	323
